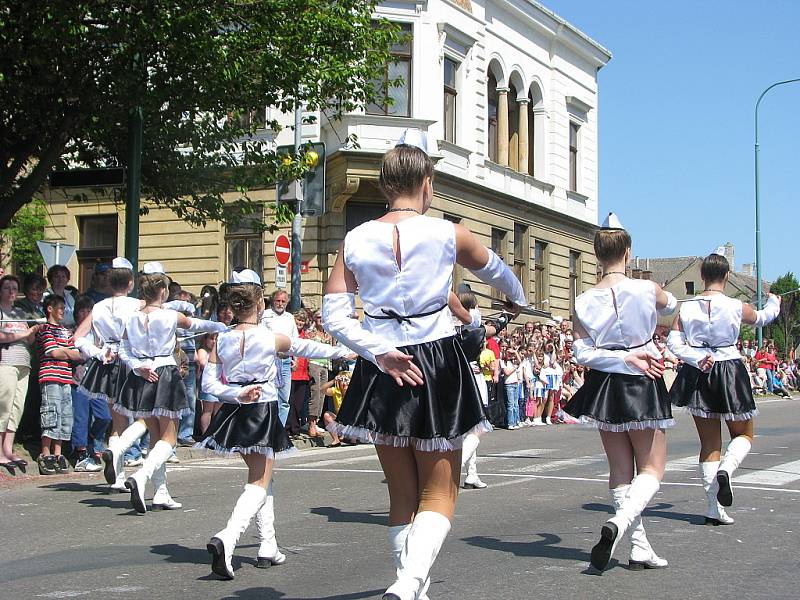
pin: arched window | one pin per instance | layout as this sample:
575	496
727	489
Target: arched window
491	116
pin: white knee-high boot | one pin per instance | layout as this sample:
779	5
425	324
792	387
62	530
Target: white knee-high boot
469	457
161	498
268	552
114	455
136	483
642	489
734	455
397	541
423	542
642	554
221	546
715	514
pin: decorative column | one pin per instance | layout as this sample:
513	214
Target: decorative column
523	135
502	126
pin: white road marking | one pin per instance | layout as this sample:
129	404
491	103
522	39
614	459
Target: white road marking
558	465
777	475
337	461
521	453
688	463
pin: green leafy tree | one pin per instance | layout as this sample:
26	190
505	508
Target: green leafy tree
785	328
27	226
202	72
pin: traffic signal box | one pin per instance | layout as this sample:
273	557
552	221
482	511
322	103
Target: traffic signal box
313	183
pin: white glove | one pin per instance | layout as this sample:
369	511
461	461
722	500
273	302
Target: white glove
336	311
126	354
211	384
610	361
497	274
311	349
679	346
768	313
180	305
207	326
476	319
88	347
672	304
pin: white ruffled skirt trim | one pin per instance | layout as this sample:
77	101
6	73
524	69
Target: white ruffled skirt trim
211	444
157	412
437	444
629	426
745	416
94	395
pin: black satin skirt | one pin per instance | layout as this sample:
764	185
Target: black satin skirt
247	428
103	380
434	415
618	402
163	398
723	392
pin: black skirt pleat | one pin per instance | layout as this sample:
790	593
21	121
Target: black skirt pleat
723	392
103	380
247	428
446	406
620	402
166	397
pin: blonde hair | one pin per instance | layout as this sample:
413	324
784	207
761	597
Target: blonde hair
244	297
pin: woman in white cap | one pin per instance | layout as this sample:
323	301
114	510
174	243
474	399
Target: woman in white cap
714	385
241	372
153	390
412	392
98	338
624	394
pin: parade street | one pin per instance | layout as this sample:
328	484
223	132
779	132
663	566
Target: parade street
527	535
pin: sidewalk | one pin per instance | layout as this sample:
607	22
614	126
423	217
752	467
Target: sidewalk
302	443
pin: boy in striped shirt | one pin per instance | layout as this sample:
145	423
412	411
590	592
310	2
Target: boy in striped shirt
56	350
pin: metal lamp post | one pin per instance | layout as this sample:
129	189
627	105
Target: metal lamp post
759	290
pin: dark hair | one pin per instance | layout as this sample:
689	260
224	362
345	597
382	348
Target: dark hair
611	244
208	301
151	285
13	278
52	301
468	300
223	304
55	269
403	170
244	297
119	279
32	280
714	268
82	303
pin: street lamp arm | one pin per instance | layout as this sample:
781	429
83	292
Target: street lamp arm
759	291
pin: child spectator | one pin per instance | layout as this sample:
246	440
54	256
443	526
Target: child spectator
56	350
86	409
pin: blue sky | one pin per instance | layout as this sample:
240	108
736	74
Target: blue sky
677	125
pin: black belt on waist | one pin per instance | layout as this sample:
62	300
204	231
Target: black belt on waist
390	314
707	346
642	345
152	357
246	383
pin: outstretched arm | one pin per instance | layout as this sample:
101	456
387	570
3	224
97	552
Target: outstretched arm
762	317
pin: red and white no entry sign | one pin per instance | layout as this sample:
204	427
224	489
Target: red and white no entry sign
283	250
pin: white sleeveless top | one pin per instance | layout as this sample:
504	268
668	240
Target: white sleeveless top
253	362
622	317
109	318
151	336
419	284
712	323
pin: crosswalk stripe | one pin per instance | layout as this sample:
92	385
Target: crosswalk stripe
777	475
558	465
688	463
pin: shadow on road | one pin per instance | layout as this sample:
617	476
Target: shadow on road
74	486
657	510
544	548
336	515
266	593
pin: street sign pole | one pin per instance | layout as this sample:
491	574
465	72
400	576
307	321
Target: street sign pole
297	222
132	200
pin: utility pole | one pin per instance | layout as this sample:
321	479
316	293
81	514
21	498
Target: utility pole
133	187
297	222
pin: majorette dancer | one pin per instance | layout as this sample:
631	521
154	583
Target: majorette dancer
714	384
412	392
241	373
98	338
624	394
153	389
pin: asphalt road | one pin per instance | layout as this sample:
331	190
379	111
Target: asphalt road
527	535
